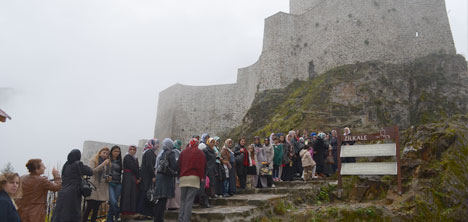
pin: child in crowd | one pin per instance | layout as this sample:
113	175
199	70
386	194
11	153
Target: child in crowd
252	169
277	159
308	163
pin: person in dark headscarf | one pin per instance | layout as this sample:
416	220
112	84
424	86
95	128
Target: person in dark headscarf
334	145
68	205
165	182
320	149
296	159
148	177
288	152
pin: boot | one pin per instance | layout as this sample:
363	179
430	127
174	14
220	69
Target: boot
204	203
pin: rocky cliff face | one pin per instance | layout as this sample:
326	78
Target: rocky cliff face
364	96
427	98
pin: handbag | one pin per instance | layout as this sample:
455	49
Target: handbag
330	159
164	165
86	187
151	194
265	171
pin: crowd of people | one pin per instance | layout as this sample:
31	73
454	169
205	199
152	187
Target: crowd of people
169	177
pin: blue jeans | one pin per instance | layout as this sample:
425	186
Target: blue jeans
226	186
276	171
114	194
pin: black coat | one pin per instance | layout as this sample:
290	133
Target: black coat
295	147
165	184
210	156
286	152
8	211
147	170
68	205
239	159
321	154
128	200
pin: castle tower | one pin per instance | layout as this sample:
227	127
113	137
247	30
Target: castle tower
316	36
299	7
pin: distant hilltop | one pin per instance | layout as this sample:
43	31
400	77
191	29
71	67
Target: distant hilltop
316	36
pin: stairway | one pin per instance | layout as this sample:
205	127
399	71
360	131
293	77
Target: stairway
247	205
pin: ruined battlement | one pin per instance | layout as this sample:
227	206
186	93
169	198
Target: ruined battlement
317	35
298	7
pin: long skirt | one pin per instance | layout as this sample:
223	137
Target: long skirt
174	203
287	175
232	181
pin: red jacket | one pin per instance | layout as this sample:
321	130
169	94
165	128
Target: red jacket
192	162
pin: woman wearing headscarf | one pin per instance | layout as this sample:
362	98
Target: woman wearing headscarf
334	145
229	163
296	159
287	174
242	161
347	132
320	150
210	155
33	203
174	203
261	161
203	140
269	155
220	175
277	160
131	179
192	170
68	205
100	165
165	179
148	176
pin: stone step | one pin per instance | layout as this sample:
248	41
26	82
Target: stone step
218	213
247	199
242	207
300	183
249	203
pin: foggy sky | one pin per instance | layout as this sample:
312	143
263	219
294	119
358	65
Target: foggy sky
92	70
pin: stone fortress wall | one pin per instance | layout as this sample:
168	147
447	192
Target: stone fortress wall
316	36
91	148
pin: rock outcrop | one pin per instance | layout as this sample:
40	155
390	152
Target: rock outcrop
364	96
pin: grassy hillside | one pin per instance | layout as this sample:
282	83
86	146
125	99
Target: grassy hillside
363	96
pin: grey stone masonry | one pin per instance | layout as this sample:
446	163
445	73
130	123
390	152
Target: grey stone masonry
91	148
317	36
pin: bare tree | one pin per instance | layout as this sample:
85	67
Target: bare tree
8	168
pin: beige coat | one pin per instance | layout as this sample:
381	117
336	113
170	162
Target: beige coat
306	158
102	187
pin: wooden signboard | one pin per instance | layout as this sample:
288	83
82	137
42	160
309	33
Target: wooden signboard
370	150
